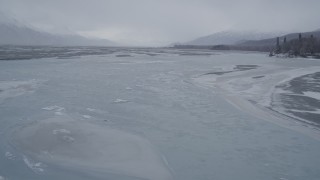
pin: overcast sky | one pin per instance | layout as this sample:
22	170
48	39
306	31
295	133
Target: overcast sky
159	22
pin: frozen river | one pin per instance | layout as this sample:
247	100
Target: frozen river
158	114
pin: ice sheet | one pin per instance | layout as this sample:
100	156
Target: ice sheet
178	124
78	144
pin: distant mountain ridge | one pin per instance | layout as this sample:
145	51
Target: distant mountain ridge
262	45
272	41
16	34
230	38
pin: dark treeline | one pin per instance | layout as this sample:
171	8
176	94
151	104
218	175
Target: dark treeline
301	46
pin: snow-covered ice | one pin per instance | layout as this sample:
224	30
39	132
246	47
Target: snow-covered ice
258	86
63	131
90	146
55	108
120	101
9	156
91	110
9	89
37	167
314	95
86	116
160	114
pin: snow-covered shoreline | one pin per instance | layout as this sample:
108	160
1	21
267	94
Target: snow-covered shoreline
254	91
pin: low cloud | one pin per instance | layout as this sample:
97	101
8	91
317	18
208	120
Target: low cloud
159	22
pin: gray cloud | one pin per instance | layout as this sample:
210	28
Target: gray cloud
159	22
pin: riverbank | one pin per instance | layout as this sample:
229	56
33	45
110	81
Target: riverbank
291	93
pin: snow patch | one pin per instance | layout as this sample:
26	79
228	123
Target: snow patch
120	101
36	167
55	108
9	89
61	131
86	116
283	178
58	113
314	95
96	110
91	110
9	156
68	139
64	135
58	110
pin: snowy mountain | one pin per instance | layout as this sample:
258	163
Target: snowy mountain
230	38
17	34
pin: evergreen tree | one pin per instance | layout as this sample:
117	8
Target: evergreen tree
278	47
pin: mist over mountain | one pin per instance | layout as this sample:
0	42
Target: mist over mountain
231	37
227	42
15	33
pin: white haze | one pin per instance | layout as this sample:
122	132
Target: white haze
160	22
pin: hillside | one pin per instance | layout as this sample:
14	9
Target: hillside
12	34
272	41
230	38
